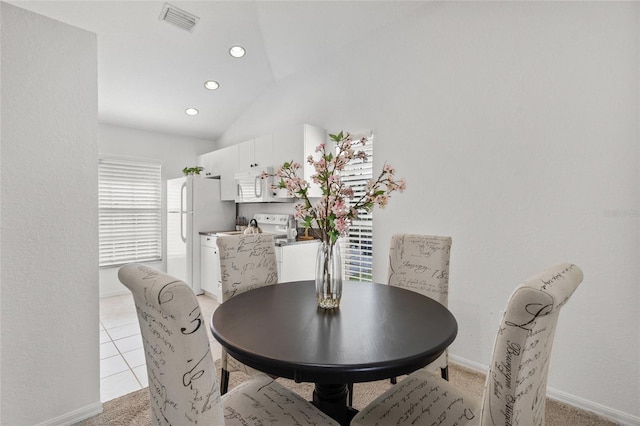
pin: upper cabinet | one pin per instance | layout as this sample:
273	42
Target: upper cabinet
255	154
313	136
294	143
207	162
222	162
288	145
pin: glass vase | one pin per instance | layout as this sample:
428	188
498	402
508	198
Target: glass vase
328	275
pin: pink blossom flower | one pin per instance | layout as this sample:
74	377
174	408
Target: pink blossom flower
342	225
381	200
339	205
347	191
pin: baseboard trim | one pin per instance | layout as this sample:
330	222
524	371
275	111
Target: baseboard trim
75	416
564	397
599	409
471	365
114	293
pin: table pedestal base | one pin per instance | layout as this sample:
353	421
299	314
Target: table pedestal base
332	400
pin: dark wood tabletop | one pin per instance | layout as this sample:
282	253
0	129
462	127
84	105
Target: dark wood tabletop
378	332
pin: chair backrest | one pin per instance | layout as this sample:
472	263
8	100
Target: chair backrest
182	381
246	262
515	390
421	263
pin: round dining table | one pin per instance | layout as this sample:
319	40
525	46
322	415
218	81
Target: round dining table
378	332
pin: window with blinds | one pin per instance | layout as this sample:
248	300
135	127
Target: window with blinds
358	244
130	198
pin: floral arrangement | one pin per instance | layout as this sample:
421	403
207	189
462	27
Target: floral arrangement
335	210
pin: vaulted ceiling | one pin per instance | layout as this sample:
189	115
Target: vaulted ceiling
151	71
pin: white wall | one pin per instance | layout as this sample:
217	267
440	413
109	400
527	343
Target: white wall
49	221
174	152
516	126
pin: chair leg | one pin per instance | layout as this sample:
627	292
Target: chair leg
224	381
350	397
445	373
394	380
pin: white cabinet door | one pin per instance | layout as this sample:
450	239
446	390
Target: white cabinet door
295	144
298	262
222	162
210	267
207	162
225	162
255	153
288	146
245	157
263	151
313	136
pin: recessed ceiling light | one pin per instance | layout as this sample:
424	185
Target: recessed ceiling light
191	111
211	85
237	51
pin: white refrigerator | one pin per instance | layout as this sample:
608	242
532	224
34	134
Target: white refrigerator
193	206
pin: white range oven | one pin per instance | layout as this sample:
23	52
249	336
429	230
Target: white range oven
296	259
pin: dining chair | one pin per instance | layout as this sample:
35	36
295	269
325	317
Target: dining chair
420	263
246	262
182	382
516	384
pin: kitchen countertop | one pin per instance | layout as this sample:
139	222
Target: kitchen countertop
215	233
279	242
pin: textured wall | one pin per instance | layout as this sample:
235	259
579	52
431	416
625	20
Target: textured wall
49	275
516	126
174	151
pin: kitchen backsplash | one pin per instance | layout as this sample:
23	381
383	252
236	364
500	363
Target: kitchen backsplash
249	209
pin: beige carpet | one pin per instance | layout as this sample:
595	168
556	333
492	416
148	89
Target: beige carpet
133	409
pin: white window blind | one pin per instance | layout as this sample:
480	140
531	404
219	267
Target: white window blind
130	198
358	244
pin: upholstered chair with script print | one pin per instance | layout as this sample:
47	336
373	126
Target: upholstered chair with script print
420	263
515	390
182	380
246	262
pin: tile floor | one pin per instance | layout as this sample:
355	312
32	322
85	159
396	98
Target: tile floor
122	364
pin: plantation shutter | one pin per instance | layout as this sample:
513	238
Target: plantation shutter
358	243
130	209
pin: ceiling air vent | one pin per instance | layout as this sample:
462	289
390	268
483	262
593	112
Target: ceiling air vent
178	17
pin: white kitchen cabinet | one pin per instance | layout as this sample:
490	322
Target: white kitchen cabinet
255	153
210	267
226	164
297	262
313	136
288	145
208	163
221	162
295	144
